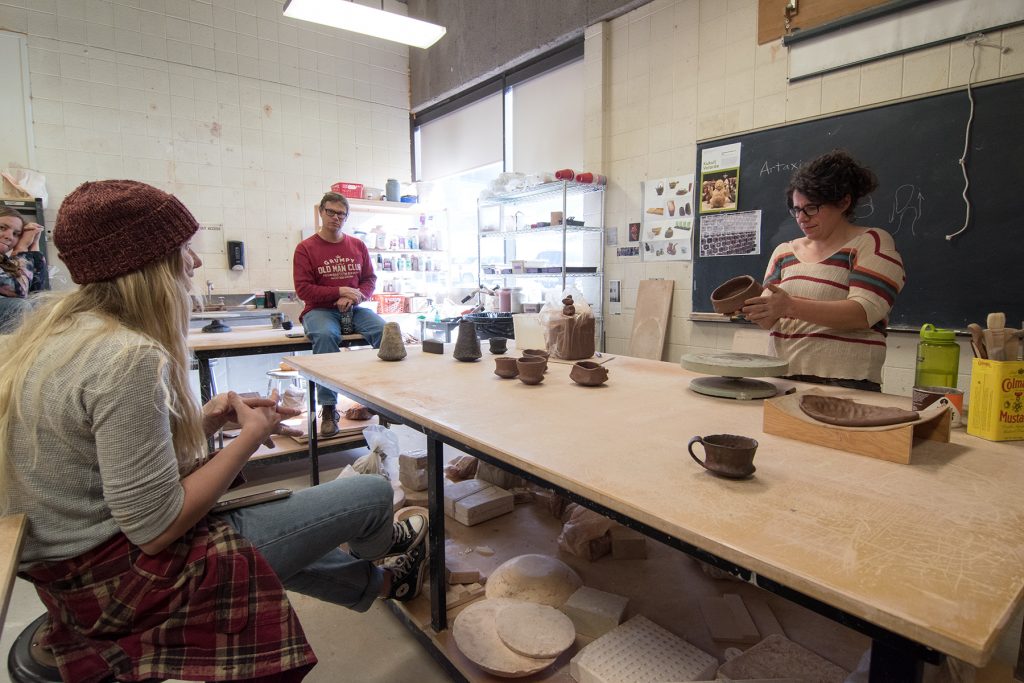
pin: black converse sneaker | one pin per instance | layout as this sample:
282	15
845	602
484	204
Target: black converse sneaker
409	534
407	572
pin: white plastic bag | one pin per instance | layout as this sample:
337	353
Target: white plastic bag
31	181
382	442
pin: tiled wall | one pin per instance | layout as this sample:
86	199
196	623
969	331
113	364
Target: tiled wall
245	115
676	71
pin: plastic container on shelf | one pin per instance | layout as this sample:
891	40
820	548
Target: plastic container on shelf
591	178
938	358
565	174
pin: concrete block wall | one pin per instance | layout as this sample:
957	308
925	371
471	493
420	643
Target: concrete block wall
676	71
245	115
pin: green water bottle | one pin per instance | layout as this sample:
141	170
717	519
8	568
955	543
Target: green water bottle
938	358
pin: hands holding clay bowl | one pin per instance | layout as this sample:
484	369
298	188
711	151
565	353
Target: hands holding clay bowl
728	298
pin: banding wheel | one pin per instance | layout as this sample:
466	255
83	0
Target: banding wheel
733	371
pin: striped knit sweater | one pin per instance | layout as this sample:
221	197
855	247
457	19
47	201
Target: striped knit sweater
868	270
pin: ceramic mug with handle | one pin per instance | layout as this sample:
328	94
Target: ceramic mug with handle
729	455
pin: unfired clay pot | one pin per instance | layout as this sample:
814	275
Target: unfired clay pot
728	455
467	346
392	347
728	298
531	369
506	367
588	373
536	352
498	345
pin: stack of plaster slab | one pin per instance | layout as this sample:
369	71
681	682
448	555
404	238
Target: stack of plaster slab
474	501
779	657
639	651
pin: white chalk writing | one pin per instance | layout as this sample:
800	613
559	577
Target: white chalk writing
767	168
907	205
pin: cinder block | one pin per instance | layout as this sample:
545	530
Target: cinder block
640	651
594	612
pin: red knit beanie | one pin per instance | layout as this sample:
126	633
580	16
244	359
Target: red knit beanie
113	227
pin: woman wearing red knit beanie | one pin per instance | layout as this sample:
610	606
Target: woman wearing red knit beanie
104	449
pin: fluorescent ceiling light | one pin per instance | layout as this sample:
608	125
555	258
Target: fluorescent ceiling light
351	16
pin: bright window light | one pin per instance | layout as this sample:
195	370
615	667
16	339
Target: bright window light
350	16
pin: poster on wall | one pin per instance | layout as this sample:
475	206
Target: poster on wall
668	240
668	198
731	234
720	178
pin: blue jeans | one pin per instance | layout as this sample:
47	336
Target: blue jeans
323	327
299	536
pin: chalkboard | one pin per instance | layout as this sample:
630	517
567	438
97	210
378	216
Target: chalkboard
914	147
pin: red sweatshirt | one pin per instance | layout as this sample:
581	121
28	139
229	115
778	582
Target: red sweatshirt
319	267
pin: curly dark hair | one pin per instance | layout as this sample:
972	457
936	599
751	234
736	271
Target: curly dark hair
830	178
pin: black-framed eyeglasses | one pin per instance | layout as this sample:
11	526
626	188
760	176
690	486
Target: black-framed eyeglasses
808	209
342	215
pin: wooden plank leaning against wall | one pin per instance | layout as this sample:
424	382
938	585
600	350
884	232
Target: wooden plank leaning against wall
771	15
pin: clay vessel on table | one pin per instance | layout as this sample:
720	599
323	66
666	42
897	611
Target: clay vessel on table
728	455
531	369
506	367
499	345
728	298
536	352
467	346
588	373
391	345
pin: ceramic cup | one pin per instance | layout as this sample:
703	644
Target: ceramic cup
531	369
506	367
498	345
588	373
536	352
726	454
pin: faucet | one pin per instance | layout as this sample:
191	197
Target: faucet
479	292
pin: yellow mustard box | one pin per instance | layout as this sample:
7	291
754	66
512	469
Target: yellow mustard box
996	411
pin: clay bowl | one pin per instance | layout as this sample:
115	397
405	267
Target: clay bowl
536	352
588	373
531	369
728	298
506	367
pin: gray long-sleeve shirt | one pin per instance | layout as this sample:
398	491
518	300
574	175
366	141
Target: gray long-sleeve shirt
105	462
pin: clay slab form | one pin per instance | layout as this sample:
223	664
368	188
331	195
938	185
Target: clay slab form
849	413
778	657
487	504
458	491
640	651
728	621
535	578
533	630
595	612
476	636
628	544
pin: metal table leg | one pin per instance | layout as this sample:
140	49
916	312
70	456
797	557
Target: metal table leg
435	539
890	664
314	451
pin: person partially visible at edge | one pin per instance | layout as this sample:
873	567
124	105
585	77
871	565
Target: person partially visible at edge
333	274
103	448
22	266
830	291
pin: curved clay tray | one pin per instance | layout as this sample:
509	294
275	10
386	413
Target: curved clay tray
846	412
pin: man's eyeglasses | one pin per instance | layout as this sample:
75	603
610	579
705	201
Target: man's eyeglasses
808	209
342	215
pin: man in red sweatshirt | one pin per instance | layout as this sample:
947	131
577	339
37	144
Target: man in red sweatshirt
333	274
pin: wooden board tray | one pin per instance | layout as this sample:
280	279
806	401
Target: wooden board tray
783	417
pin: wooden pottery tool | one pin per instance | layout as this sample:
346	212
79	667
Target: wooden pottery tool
977	340
1011	345
995	336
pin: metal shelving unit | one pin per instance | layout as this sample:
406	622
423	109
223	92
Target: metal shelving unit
518	224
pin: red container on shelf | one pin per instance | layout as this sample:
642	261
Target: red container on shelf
391	303
565	174
350	190
591	178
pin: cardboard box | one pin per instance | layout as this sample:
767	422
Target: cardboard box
996	410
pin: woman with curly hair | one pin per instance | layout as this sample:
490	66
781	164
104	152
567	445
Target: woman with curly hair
829	292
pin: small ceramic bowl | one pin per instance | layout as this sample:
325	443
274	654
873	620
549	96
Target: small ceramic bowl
588	373
506	367
531	369
536	352
728	298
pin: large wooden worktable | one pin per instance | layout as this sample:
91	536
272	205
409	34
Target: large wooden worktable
932	552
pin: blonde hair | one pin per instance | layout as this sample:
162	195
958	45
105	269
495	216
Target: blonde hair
153	302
